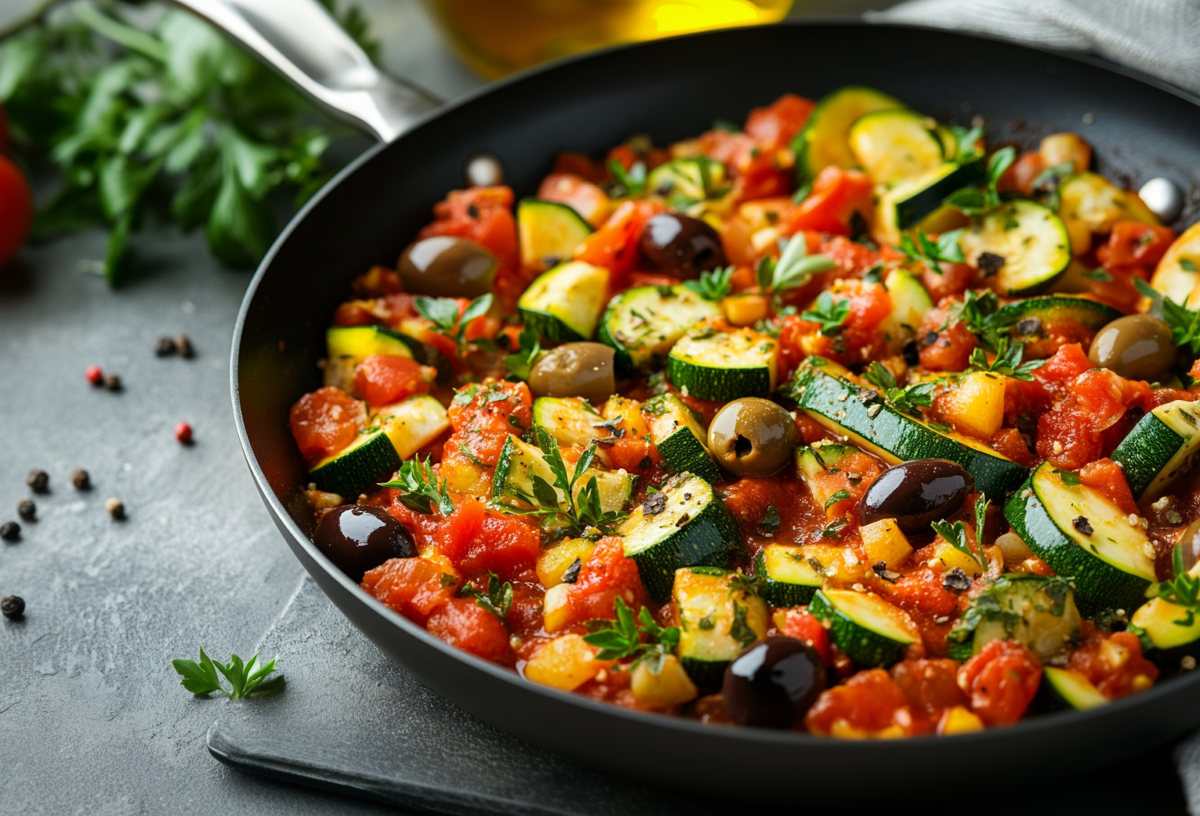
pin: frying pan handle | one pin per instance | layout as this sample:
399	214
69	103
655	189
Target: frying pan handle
308	48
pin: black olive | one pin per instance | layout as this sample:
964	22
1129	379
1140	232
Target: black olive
752	436
680	245
1137	347
916	494
575	370
357	538
445	266
773	683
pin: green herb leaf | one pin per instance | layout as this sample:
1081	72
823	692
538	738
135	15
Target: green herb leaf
631	182
1187	265
1068	478
1099	275
795	266
770	522
829	313
980	313
956	536
917	246
841	495
420	487
246	679
712	285
906	400
740	630
1007	362
528	352
498	598
623	638
1182	590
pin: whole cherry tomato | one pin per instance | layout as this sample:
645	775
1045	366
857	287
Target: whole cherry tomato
16	206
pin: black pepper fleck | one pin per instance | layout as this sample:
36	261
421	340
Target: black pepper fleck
867	395
115	508
38	481
112	382
645	463
682	520
572	573
956	581
881	569
912	355
929	339
990	263
80	479
164	347
12	606
184	346
654	504
10	531
1081	524
27	510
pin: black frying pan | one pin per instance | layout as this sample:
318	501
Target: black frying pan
672	89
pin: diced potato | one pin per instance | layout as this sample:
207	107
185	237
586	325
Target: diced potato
1058	148
744	310
556	611
959	720
565	663
465	478
884	541
975	406
952	558
553	562
671	686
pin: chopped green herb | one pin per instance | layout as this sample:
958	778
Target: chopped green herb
622	638
1007	362
498	598
829	313
712	285
245	680
841	495
905	400
420	487
923	248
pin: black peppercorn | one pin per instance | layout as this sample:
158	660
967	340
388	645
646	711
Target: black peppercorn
80	479
12	606
115	508
10	531
112	382
183	345
26	509
164	347
38	481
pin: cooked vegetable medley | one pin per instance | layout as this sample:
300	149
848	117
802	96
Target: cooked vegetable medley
840	423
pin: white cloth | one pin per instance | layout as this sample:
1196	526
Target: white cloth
1155	36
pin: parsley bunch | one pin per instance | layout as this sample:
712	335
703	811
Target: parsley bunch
905	400
421	492
1184	322
1007	362
622	638
245	680
982	315
170	117
917	246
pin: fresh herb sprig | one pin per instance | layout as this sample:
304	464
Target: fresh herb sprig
982	315
631	182
419	484
529	349
443	314
246	679
1007	362
916	246
906	400
622	638
1184	322
497	600
975	201
1182	590
966	142
794	268
829	313
712	285
956	534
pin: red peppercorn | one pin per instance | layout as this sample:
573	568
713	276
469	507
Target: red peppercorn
94	375
183	433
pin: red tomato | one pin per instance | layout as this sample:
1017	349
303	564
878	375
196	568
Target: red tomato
944	349
484	423
1078	431
1021	174
852	258
836	196
5	136
577	164
325	421
869	702
1113	663
1001	681
931	685
606	576
383	379
355	313
615	245
577	193
1108	477
506	545
484	215
411	586
16	210
461	623
777	124
954	279
921	593
456	533
799	624
1132	243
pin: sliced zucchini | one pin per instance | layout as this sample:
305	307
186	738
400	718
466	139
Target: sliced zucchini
570	420
369	459
1081	534
688	527
1039	611
564	304
677	435
519	462
357	343
825	139
910	302
717	620
878	428
1160	448
895	144
1173	631
412	423
549	232
1030	238
1066	689
907	203
790	575
643	324
689	181
868	629
723	366
1097	203
1056	309
1176	276
818	459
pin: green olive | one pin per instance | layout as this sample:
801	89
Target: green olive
752	436
575	370
445	266
1137	347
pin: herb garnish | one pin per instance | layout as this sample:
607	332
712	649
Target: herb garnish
740	630
923	248
1182	590
622	638
244	679
829	313
1068	478
712	285
770	522
631	182
528	350
1007	362
498	598
420	486
1184	322
443	313
956	534
905	400
983	318
841	495
794	268
973	201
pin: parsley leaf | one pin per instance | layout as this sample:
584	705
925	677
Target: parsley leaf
1069	478
841	495
956	536
981	314
631	182
529	350
966	143
917	246
1099	275
246	679
974	201
740	630
1182	590
905	400
794	268
498	598
622	638
712	285
1007	362
829	313
1184	322
420	486
443	314
770	521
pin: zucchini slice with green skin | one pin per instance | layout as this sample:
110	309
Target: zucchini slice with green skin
677	435
1069	690
821	457
895	144
1081	534
549	232
723	366
910	302
519	462
643	324
1031	239
689	181
907	203
1096	202
1037	610
868	629
717	620
825	139
1051	309
688	527
570	420
1160	448
564	304
790	575
368	460
894	437
360	342
413	423
1168	631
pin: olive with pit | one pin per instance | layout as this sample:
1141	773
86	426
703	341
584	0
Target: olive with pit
1137	347
575	370
357	538
773	683
680	245
445	266
916	494
752	436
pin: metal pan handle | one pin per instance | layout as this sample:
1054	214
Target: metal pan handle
308	48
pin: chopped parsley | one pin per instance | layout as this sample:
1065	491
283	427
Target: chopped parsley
1007	362
420	488
498	598
905	400
712	285
622	638
829	313
917	246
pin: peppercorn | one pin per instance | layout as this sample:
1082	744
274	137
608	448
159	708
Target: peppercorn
183	433
12	606
112	382
94	375
26	509
38	481
164	347
184	346
115	508
10	531
80	479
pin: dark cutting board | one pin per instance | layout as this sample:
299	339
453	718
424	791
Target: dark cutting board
352	721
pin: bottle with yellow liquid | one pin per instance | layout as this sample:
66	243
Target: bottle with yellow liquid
499	37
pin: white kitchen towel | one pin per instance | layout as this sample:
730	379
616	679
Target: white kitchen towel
1160	37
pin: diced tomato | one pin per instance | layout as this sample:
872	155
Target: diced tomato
921	593
1009	442
411	586
930	685
948	348
525	615
836	196
1021	174
325	422
1132	243
632	450
423	526
1107	476
1076	432
637	149
799	624
577	164
853	259
460	529
615	244
606	576
1001	681
868	704
777	124
461	623
749	498
383	379
377	282
355	313
954	279
484	215
493	412
1113	662
581	195
506	545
